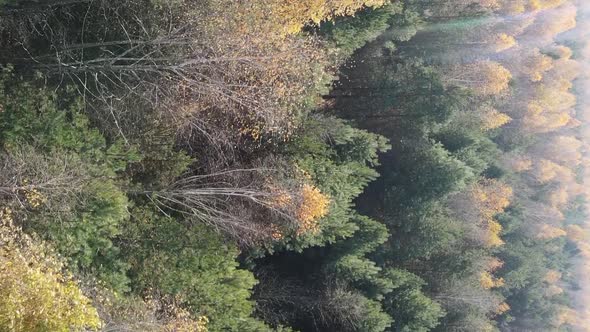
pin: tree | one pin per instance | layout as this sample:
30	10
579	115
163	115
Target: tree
484	78
420	175
561	149
192	264
409	307
520	6
455	9
159	59
323	305
545	171
291	17
481	203
68	171
340	160
351	33
35	293
557	52
535	65
422	231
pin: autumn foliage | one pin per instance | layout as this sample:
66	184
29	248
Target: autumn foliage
278	165
313	206
35	292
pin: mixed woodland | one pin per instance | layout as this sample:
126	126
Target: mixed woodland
310	165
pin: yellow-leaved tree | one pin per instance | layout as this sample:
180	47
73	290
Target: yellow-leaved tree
521	6
491	118
481	203
536	65
516	162
547	232
485	78
287	17
488	281
313	206
545	171
502	42
35	294
294	14
492	197
552	277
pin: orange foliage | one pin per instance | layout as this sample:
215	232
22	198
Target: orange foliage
478	206
503	42
487	281
276	233
536	120
502	308
558	197
293	14
563	149
307	205
494	231
314	205
553	290
564	70
565	316
551	23
491	197
181	321
560	52
263	74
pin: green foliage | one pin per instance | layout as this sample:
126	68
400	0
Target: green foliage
33	117
527	262
351	33
340	160
348	262
355	312
373	317
410	308
87	238
191	263
428	171
370	234
470	145
191	89
422	231
407	25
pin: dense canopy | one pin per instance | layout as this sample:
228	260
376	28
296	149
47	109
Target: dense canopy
317	165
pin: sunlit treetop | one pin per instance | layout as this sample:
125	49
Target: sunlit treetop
484	78
521	6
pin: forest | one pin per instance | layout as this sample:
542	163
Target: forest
294	165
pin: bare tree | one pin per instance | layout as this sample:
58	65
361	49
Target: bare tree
174	59
248	204
29	178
